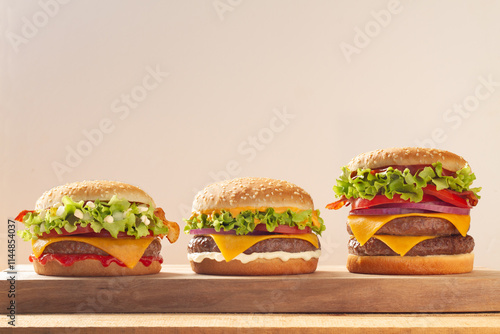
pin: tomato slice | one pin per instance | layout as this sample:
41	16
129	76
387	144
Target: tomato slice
361	203
79	230
86	231
121	235
452	197
285	229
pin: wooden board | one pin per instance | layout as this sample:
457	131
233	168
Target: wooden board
330	289
257	323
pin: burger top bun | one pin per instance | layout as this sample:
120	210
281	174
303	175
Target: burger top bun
255	192
92	190
407	156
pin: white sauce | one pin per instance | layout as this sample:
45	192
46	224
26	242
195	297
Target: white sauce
245	258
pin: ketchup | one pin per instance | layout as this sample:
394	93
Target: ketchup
69	259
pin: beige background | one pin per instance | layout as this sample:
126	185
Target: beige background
176	94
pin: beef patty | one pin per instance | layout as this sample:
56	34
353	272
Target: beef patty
205	243
447	245
75	247
416	225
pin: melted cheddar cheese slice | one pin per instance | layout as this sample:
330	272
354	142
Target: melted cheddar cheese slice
129	251
231	246
365	226
401	244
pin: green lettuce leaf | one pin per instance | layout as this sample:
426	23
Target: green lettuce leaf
245	221
136	220
366	184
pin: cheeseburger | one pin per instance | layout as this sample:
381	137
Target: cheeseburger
96	228
409	211
254	226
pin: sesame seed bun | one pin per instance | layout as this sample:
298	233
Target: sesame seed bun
258	267
255	192
405	156
92	190
411	265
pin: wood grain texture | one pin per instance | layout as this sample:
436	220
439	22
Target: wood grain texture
328	290
256	323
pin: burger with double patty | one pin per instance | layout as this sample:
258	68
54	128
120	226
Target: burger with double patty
409	211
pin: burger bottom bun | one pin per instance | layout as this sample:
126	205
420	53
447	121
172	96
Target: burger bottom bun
93	268
258	267
411	265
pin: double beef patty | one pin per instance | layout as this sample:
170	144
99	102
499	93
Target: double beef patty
438	246
449	241
205	243
75	247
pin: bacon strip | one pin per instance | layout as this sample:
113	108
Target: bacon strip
173	228
338	204
21	215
